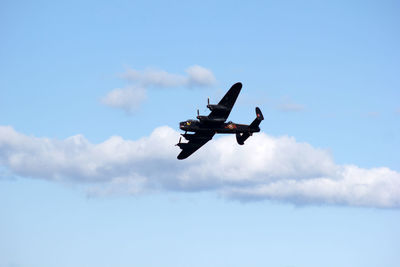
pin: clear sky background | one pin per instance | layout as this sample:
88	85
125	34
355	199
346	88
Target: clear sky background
91	94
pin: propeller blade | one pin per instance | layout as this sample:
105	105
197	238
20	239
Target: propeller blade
180	138
198	113
208	101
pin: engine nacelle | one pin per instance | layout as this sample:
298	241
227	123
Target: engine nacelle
194	137
185	145
216	107
206	119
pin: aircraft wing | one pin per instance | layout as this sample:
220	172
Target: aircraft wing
196	141
227	103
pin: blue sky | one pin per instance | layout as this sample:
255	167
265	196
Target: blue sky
91	180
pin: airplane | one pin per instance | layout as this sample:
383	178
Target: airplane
205	127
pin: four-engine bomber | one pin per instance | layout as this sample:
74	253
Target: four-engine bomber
205	127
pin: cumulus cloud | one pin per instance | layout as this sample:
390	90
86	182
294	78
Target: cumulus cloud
129	98
197	76
272	168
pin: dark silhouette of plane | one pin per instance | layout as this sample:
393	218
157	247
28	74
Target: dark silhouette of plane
206	126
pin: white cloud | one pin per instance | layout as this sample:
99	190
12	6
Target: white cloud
274	168
286	104
197	76
128	98
351	185
154	77
131	97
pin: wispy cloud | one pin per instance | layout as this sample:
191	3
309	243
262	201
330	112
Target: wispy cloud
197	76
272	168
131	97
288	105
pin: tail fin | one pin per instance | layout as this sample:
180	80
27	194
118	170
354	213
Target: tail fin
253	127
257	120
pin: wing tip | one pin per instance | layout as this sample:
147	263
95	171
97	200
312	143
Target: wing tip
238	84
183	155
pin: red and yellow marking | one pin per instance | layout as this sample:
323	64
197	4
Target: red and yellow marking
231	126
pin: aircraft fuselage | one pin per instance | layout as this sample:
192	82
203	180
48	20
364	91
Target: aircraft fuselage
227	128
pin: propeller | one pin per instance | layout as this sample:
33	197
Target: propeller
180	138
208	101
198	112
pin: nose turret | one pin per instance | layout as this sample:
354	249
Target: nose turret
187	125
